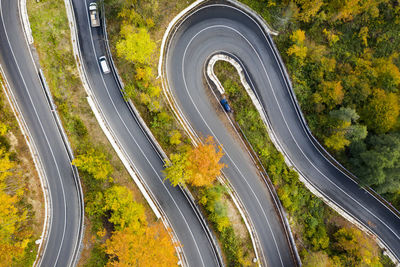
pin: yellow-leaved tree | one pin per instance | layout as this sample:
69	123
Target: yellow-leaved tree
381	112
13	241
298	49
94	163
136	45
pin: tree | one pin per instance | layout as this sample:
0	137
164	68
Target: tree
356	249
151	246
319	258
199	166
308	9
388	75
6	165
117	204
298	49
176	169
144	74
211	199
331	36
124	211
175	137
356	132
3	128
378	163
135	45
345	114
94	163
203	163
343	128
363	34
381	112
332	93
13	240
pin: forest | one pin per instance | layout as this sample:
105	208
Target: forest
343	59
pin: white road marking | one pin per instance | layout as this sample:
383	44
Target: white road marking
280	109
44	134
227	154
144	155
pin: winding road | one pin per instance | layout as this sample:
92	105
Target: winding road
61	247
210	29
129	134
223	28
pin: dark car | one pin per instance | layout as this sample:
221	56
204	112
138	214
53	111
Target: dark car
225	104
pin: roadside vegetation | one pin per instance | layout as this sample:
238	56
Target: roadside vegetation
21	209
121	229
322	237
135	30
344	61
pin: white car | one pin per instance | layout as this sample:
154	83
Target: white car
104	64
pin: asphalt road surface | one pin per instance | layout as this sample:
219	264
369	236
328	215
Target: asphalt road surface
65	224
221	28
197	248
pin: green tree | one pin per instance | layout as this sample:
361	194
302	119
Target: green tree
344	129
345	114
378	162
211	199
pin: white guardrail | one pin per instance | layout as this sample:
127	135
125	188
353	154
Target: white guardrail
324	152
146	192
163	156
36	160
235	62
171	29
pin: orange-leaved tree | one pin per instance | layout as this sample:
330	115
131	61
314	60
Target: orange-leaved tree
203	162
199	166
151	246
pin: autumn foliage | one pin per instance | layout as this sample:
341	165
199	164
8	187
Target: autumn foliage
203	163
16	233
150	246
199	166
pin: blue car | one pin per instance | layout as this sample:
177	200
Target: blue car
225	104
